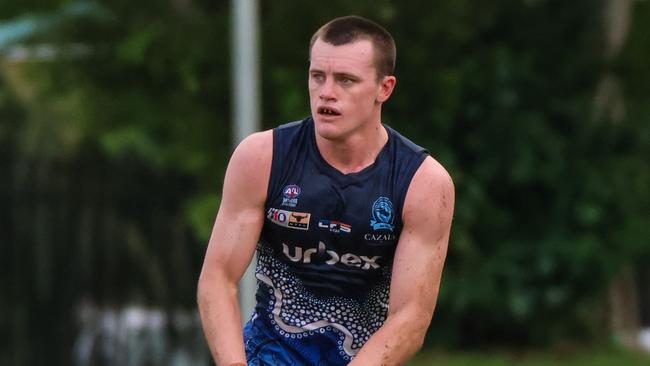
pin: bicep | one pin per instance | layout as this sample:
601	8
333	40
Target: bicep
241	214
422	248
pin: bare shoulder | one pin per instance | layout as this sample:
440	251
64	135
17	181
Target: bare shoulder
431	172
256	149
249	168
431	192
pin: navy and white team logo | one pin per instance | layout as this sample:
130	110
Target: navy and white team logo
382	214
290	193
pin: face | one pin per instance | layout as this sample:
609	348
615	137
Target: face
344	89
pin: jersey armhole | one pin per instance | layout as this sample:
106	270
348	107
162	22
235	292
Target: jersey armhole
408	179
283	137
275	160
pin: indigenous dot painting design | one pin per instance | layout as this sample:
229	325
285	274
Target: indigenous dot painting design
296	313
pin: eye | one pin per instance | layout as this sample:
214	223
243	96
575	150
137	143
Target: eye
346	80
318	77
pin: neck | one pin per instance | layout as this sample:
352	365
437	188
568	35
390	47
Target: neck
355	152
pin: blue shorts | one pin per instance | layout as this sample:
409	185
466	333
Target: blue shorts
265	346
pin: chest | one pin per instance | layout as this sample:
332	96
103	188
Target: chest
312	215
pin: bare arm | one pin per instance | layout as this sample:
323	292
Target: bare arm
232	245
417	268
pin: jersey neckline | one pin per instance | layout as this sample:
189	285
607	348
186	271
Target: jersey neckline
337	174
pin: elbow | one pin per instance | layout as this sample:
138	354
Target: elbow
200	290
410	339
417	339
205	286
414	331
421	329
213	284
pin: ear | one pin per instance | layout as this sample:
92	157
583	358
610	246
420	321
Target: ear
386	86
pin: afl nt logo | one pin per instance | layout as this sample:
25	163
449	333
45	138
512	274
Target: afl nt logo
290	193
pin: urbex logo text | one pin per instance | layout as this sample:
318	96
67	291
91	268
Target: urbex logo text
349	259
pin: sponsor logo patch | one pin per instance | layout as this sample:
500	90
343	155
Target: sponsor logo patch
379	237
300	254
290	194
290	219
335	226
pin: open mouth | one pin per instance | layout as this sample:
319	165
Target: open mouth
327	111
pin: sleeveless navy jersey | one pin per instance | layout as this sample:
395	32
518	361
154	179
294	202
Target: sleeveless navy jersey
326	250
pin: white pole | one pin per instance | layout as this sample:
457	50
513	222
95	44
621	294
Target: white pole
245	65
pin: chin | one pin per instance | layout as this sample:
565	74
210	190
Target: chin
328	131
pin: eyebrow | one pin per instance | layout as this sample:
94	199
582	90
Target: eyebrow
336	74
346	75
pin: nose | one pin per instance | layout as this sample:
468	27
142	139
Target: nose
327	90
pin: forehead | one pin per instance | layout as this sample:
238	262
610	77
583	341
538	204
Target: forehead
356	56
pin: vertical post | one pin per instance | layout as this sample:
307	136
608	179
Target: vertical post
245	86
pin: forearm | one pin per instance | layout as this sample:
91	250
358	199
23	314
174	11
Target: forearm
394	343
221	319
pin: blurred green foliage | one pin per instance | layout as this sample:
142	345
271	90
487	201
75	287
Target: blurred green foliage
114	160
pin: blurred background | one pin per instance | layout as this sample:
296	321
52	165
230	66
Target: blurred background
116	124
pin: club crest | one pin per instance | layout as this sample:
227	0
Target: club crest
382	214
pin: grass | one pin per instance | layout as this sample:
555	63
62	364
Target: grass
604	357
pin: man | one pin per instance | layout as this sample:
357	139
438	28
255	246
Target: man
350	220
